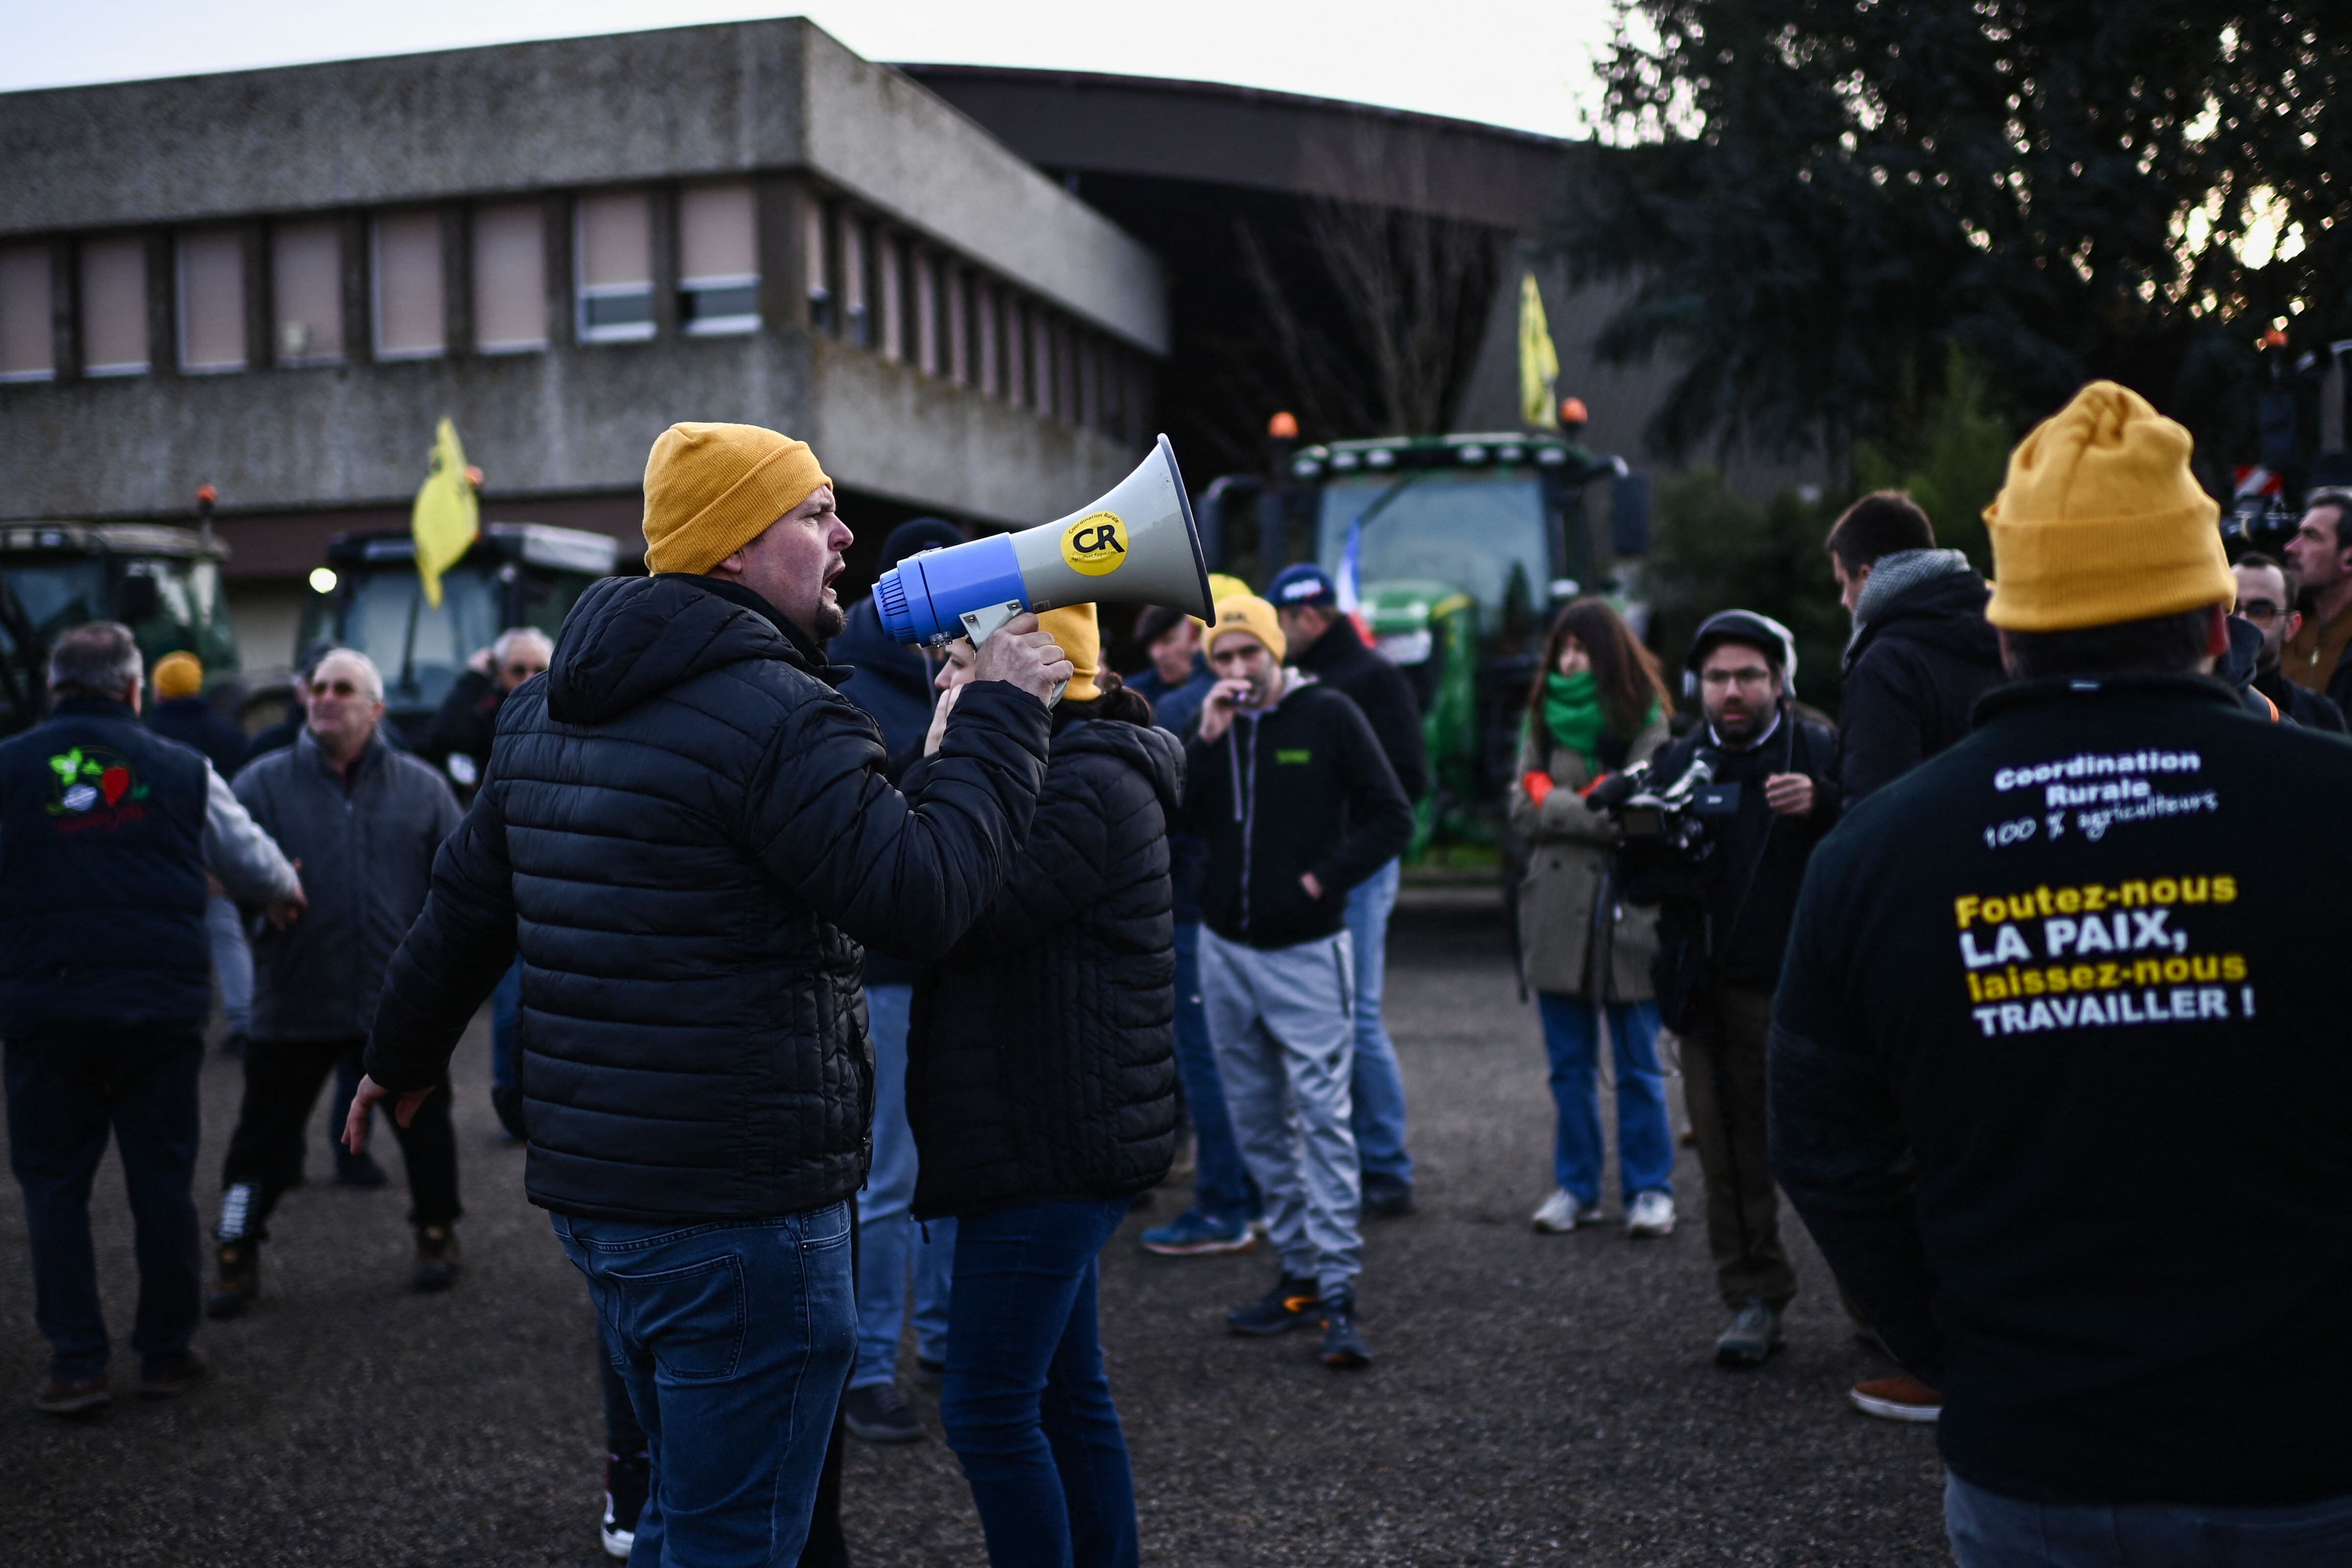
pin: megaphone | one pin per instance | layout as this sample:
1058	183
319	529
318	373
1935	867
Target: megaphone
1137	545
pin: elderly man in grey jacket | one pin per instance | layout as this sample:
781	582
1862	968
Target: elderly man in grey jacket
362	821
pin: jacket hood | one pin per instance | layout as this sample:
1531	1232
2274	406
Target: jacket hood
1946	611
629	639
1153	753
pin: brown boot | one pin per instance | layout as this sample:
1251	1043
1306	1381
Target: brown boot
175	1377
436	1258
72	1395
240	1278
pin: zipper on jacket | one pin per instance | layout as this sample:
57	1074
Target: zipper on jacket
1246	811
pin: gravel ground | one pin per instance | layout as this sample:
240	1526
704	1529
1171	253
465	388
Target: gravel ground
1536	1399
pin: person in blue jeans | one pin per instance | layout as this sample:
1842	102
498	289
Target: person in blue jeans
1041	1085
891	1245
1598	703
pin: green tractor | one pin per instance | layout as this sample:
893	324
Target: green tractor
162	581
1460	548
368	596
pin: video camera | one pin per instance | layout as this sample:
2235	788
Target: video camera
2258	523
1672	822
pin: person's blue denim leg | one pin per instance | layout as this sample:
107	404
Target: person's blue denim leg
934	1288
1378	1087
1028	1405
1988	1529
1221	1187
735	1340
1645	1135
886	1233
65	1095
1577	1150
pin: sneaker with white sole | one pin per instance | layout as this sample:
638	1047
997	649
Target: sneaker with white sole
1898	1397
1561	1213
1650	1213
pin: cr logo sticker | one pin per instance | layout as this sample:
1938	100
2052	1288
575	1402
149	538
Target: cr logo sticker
1096	544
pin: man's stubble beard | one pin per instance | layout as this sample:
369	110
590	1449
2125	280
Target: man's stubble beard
832	620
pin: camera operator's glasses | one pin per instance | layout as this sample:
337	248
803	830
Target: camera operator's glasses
2259	609
1753	674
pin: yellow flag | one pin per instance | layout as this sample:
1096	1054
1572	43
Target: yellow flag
1539	361
447	517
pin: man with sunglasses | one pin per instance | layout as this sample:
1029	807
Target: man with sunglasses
363	822
2266	601
459	742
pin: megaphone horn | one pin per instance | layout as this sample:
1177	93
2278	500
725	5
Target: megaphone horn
1137	545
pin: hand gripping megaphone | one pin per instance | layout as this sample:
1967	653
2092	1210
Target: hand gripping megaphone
1137	545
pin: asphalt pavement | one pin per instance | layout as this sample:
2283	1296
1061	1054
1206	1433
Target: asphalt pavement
1536	1399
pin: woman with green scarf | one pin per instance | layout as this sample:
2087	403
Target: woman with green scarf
1598	703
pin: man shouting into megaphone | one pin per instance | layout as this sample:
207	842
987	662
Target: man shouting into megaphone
685	832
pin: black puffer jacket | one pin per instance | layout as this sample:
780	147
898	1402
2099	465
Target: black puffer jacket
1340	659
1914	672
688	831
1041	1063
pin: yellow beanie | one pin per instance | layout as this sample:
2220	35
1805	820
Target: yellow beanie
1221	586
178	675
710	489
1079	635
1247	612
2101	520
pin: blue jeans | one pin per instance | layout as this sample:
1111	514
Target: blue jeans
887	1237
65	1095
734	1340
1989	1531
1027	1404
1378	1087
1645	1139
1221	1187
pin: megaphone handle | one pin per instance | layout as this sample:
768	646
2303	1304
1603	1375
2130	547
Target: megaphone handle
983	623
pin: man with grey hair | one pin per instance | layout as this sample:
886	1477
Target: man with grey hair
467	719
364	821
107	830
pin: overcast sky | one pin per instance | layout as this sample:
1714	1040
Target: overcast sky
1523	63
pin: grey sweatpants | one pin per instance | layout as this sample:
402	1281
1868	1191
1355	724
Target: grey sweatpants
1285	1035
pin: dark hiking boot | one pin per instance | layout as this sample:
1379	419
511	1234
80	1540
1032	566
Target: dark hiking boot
168	1375
240	1278
876	1413
1387	1197
1343	1342
1292	1303
436	1258
1754	1335
72	1395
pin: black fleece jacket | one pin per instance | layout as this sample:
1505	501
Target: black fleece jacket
1913	675
686	834
1041	1060
2059	1070
1340	659
1302	786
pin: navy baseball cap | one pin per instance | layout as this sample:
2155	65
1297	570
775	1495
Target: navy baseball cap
1305	584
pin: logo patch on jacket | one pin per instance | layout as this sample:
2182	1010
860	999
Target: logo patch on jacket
1299	754
95	788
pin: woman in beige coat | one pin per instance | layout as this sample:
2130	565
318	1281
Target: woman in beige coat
1598	704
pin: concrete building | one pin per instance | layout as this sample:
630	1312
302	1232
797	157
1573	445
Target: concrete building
277	282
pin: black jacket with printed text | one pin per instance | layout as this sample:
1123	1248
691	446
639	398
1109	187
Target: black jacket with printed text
2060	1065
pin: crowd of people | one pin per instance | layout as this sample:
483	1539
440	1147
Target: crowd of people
837	985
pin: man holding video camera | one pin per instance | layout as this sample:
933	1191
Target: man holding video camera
1727	899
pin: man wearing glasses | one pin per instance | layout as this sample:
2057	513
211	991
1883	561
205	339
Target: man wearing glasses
362	821
1723	924
2266	598
468	719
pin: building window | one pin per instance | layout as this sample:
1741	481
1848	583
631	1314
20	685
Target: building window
718	259
616	267
212	300
856	321
890	269
410	321
114	307
928	345
511	279
28	342
306	285
958	314
990	336
819	271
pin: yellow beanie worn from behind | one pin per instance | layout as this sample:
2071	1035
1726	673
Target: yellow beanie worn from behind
2101	520
1079	635
178	675
1247	612
710	489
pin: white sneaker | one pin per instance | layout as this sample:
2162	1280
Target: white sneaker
1650	1213
1561	1214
